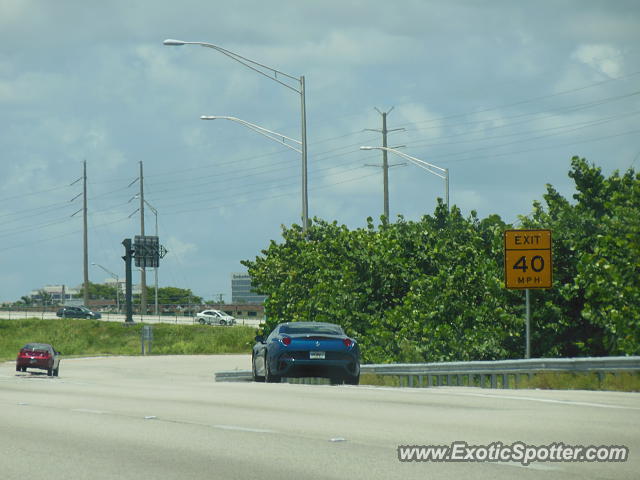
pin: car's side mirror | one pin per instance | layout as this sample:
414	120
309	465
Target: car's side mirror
260	338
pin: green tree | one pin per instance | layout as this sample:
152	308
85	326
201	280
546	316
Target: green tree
172	296
594	307
433	290
410	291
99	291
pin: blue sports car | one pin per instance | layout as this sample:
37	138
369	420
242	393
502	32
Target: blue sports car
306	349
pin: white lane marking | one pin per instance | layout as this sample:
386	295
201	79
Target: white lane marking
243	429
88	410
445	391
547	400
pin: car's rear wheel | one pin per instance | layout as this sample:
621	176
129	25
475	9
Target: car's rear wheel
24	369
56	371
50	372
18	369
223	322
268	376
201	321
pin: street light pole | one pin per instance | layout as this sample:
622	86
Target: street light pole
117	279
429	167
276	76
275	136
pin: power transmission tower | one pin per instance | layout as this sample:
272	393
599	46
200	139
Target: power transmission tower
385	162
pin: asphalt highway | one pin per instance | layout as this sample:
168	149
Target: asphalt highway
165	418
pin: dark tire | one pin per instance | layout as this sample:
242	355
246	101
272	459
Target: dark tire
201	321
24	369
49	372
18	369
223	322
352	379
56	371
268	377
256	377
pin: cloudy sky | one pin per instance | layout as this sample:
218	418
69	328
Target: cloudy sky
502	93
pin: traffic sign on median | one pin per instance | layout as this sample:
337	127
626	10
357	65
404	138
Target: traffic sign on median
527	259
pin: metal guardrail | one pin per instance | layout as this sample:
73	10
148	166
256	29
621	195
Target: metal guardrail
486	373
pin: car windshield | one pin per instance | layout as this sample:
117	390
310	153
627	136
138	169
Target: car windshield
312	329
36	346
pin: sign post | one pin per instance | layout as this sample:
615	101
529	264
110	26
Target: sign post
146	335
528	264
128	251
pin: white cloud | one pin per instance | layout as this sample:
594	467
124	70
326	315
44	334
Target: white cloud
423	123
603	58
179	248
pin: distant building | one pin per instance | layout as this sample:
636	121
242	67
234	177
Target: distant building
242	291
56	294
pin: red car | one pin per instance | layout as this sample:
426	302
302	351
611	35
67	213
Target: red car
38	355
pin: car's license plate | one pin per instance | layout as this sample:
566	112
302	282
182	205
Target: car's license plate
33	360
316	355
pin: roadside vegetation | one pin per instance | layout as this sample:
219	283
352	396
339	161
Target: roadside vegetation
94	337
433	290
621	382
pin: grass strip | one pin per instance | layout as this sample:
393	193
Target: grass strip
74	337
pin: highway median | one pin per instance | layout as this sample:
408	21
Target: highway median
74	337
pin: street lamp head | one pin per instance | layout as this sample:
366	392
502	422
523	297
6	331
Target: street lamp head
208	117
171	41
366	148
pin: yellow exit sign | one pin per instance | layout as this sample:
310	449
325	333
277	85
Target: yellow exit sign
527	259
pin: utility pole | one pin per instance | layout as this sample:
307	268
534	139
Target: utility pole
85	235
385	162
143	273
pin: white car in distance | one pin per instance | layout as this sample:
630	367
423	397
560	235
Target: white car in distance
214	317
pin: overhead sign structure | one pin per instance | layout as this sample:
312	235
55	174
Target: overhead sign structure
527	259
148	251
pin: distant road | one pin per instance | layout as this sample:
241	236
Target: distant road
165	418
114	317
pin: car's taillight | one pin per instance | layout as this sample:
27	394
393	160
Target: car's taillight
347	342
286	341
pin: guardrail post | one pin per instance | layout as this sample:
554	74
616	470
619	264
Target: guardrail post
505	380
482	380
410	378
494	381
420	379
